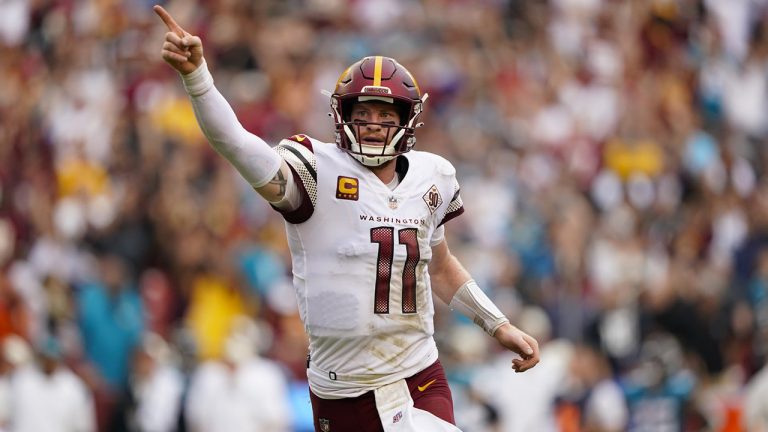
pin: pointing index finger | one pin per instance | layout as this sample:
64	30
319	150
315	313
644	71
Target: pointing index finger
168	20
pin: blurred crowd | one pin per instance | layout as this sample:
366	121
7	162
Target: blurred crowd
612	158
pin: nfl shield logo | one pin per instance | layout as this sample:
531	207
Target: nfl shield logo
325	425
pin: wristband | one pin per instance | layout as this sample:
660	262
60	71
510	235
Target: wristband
199	81
472	302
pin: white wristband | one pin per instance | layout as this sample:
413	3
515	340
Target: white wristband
472	302
199	81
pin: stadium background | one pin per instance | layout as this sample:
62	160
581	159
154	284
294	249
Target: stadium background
612	158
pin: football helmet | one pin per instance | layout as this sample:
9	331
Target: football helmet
376	78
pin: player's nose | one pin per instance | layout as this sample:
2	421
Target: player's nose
373	125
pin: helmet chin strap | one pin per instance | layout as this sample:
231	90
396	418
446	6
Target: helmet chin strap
365	153
367	160
372	162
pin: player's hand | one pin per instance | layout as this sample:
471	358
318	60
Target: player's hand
514	339
181	50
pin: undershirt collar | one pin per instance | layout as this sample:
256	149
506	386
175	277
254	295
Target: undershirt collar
401	168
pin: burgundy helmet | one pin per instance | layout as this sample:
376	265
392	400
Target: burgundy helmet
376	79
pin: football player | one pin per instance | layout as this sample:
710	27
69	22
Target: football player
365	223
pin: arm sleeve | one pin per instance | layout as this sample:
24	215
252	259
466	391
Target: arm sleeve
253	158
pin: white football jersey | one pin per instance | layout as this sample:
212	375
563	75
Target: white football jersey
360	253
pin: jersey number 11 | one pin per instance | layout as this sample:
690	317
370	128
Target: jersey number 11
385	237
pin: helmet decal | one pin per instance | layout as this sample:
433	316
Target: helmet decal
377	71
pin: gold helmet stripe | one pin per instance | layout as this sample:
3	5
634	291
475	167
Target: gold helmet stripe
377	70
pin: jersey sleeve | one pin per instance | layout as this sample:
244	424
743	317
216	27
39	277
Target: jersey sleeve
437	236
455	205
298	154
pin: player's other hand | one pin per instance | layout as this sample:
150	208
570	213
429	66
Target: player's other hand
514	339
181	50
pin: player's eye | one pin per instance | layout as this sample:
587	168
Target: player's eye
387	117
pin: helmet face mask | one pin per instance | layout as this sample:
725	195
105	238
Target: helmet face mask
376	79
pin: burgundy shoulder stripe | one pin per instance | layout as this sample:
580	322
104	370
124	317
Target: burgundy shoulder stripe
303	140
303	160
451	215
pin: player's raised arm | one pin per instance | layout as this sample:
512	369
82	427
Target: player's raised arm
261	166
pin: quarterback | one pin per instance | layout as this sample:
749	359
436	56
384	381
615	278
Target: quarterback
364	292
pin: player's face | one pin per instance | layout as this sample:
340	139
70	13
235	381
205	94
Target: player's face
375	118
